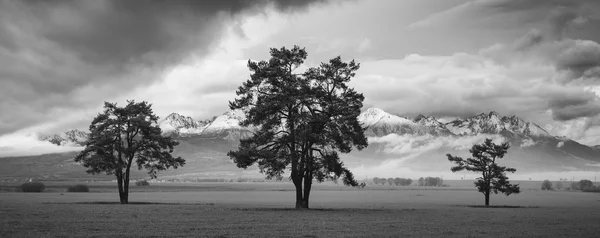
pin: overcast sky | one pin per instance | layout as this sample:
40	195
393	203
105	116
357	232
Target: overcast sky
537	59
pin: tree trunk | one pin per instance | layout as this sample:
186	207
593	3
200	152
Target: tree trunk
487	199
307	186
122	194
299	197
126	186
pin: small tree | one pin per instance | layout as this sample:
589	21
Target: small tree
547	185
390	181
493	177
558	185
397	181
575	186
421	181
584	184
123	136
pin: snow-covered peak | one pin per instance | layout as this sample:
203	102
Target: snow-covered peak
176	123
179	121
72	137
371	116
493	123
230	119
235	114
426	120
380	123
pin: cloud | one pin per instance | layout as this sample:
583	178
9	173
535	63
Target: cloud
20	144
571	106
364	45
579	57
411	145
57	55
554	16
548	82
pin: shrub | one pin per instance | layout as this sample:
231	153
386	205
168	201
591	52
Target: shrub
547	185
558	185
585	184
33	187
430	181
591	190
79	188
142	183
575	186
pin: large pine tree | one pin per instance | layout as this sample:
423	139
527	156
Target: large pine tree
304	120
493	176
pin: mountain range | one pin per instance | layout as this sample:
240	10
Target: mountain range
418	143
377	122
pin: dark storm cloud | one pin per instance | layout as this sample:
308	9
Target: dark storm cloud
579	58
50	50
571	106
137	31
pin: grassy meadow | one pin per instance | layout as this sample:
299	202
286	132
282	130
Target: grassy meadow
265	210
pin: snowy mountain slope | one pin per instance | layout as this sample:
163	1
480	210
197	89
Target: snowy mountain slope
492	123
380	123
176	124
420	142
68	138
227	126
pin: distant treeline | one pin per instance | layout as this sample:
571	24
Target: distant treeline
428	181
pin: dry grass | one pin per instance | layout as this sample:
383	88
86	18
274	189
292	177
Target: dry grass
263	211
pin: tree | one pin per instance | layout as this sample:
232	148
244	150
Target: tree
390	181
434	182
397	181
547	185
575	186
303	120
585	184
421	181
493	177
376	180
123	136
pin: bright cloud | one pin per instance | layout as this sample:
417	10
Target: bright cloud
22	144
411	145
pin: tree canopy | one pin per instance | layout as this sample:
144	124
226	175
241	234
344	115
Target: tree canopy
123	136
493	177
304	119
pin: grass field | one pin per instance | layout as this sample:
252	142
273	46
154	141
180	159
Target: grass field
263	210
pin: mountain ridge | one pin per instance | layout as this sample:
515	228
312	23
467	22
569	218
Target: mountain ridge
376	122
418	143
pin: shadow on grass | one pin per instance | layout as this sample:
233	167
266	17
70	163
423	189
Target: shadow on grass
136	203
495	206
322	209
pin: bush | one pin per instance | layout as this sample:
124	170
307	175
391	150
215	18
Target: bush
33	187
558	185
575	186
430	181
591	190
547	185
79	188
585	184
142	183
